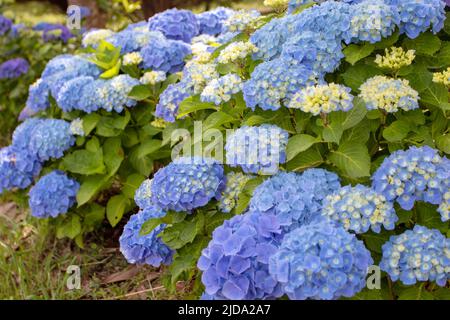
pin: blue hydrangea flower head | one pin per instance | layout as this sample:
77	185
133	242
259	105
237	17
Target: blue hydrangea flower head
5	25
92	38
211	22
13	68
236	182
240	20
171	98
23	132
235	263
17	168
188	183
143	195
175	24
274	82
257	149
50	138
359	209
444	207
53	195
131	40
71	96
420	254
146	249
113	94
198	75
320	261
165	55
417	174
372	20
419	16
319	51
222	89
38	95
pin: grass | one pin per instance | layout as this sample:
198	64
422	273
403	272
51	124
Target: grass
33	264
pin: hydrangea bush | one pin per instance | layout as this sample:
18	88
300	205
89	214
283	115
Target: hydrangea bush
266	156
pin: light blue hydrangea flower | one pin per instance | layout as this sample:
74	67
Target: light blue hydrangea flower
198	75
38	95
143	195
222	89
417	174
170	99
419	15
444	207
359	209
72	95
93	37
131	40
257	149
295	199
17	168
76	127
22	134
165	55
146	249
420	254
187	183
318	51
153	77
274	82
240	20
236	182
52	195
372	20
235	263
113	94
211	22
175	24
320	261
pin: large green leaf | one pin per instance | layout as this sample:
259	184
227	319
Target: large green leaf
353	52
443	143
216	120
132	184
353	159
417	292
396	131
70	228
435	95
426	44
299	143
304	160
356	75
140	92
84	162
89	187
116	207
113	154
193	104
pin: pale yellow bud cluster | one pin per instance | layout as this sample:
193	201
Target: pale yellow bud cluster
442	77
395	58
132	59
236	51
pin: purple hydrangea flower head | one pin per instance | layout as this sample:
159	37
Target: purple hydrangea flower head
53	195
295	199
417	174
235	263
175	24
257	149
171	98
53	31
145	249
188	183
5	25
165	55
14	68
17	168
320	261
420	254
211	22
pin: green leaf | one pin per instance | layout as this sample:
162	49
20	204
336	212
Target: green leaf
216	120
90	186
428	216
180	234
84	162
148	147
387	42
353	159
443	143
420	79
425	44
246	194
193	104
70	228
112	72
353	52
299	143
358	134
90	122
304	160
149	225
132	183
356	75
442	294
436	95
333	132
443	56
116	207
140	92
417	292
396	131
112	126
374	241
93	216
447	23
113	155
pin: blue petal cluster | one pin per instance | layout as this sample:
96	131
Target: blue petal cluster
222	89
211	22
113	93
236	182
320	261
13	68
170	99
295	199
420	254
52	195
417	174
274	82
240	20
444	207
187	183
53	32
359	209
143	195
257	149
175	24
5	25
419	15
235	263
134	39
165	55
147	249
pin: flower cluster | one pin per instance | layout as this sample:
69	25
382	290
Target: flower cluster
145	249
165	55
395	58
420	254
5	25
235	263
236	182
322	99
389	94
220	90
53	195
444	207
132	58
93	38
360	208
53	31
211	22
131	40
417	174
236	51
76	127
442	77
240	20
274	82
175	24
170	100
295	199
14	68
113	93
320	261
187	183
198	75
153	77
257	149
143	195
